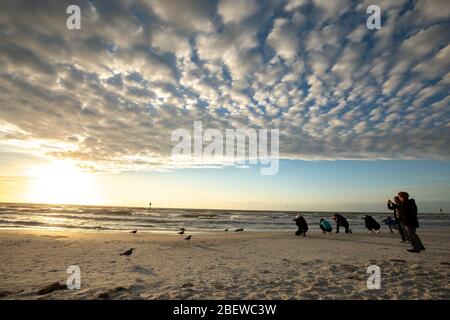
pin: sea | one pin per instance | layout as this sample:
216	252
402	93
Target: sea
166	220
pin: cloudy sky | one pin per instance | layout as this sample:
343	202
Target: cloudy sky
361	113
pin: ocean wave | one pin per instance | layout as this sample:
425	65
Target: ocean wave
127	218
21	222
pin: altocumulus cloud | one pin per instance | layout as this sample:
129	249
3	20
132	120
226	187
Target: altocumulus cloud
109	95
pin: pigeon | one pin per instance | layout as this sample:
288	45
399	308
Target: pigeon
127	253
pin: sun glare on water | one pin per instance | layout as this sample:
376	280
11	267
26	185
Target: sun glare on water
62	183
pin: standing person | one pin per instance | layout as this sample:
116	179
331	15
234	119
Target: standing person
341	222
325	226
408	216
301	224
396	207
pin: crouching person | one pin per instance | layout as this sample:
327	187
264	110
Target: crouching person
371	224
341	222
301	225
325	226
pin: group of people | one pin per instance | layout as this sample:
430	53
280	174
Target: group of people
405	216
325	225
405	221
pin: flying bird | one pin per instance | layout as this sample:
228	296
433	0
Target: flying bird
127	253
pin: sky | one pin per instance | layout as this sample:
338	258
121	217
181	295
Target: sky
87	116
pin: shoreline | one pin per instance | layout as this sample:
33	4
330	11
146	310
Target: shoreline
234	265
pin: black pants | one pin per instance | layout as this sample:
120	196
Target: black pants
301	231
414	238
401	230
344	225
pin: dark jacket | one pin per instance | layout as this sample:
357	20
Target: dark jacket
371	223
340	220
395	207
301	223
408	214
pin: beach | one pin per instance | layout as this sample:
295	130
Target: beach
227	265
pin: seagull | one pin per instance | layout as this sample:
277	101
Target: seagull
134	231
181	232
127	253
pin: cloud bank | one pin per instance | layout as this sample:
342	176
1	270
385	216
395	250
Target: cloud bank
109	95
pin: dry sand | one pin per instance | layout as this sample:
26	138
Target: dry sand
232	265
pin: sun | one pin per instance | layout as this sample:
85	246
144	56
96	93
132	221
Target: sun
62	182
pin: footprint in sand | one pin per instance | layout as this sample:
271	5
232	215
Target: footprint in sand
398	260
136	287
142	270
219	286
349	268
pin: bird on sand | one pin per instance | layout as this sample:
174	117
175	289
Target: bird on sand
182	229
127	253
181	232
188	238
239	230
226	230
134	231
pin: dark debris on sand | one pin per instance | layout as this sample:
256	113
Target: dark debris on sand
56	286
4	294
107	295
187	285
